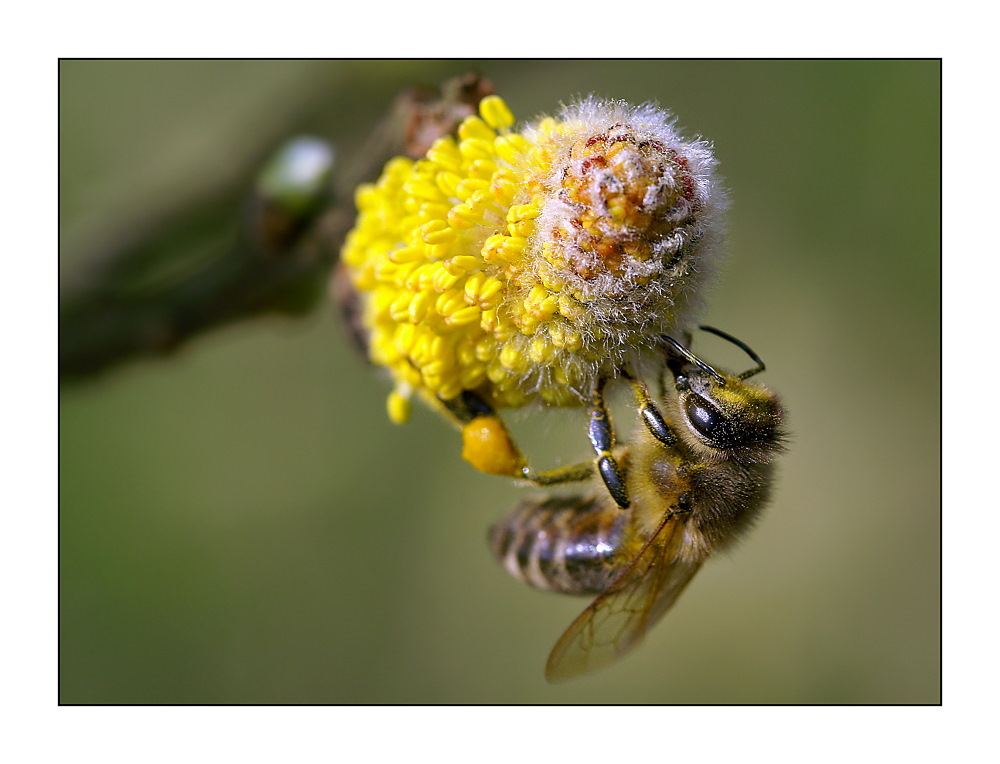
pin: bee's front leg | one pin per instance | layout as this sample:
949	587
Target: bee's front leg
651	415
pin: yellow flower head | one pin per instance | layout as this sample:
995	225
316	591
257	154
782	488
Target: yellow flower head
525	265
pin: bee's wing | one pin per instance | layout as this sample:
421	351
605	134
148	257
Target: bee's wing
618	619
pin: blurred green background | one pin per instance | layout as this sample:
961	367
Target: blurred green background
241	523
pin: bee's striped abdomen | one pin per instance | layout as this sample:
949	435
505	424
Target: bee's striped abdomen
566	544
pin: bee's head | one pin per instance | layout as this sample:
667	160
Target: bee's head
724	415
737	419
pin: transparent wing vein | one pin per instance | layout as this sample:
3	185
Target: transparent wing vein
618	619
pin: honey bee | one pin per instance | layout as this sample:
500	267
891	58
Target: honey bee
698	476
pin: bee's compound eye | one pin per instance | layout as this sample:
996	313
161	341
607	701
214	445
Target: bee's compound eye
707	420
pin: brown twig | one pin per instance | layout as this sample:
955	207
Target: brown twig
235	256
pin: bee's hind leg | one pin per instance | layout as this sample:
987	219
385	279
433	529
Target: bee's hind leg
488	446
486	443
572	473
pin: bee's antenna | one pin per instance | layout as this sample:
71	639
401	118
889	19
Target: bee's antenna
694	359
742	346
